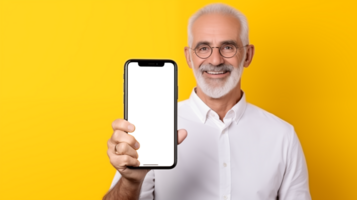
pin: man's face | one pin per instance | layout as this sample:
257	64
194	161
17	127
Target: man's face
216	30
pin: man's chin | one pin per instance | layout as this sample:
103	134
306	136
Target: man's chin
215	83
215	90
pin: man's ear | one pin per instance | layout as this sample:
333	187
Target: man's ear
188	56
249	55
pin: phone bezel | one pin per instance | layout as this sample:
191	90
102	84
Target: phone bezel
151	63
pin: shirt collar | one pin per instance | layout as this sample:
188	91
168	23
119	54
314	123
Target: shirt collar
202	110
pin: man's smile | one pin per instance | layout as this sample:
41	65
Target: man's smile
213	74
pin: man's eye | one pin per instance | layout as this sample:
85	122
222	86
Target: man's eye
203	49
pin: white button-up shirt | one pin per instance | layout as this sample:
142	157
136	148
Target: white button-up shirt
250	155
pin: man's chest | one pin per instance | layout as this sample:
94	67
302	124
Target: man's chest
223	164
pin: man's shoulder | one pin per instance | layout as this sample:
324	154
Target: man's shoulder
266	118
185	111
253	115
183	107
181	103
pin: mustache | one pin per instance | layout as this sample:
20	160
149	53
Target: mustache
216	68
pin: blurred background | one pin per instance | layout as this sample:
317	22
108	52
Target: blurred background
61	85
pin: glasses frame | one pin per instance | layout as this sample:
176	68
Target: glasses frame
219	50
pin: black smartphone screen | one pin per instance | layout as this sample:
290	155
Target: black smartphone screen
150	103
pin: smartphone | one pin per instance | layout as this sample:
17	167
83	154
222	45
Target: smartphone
150	103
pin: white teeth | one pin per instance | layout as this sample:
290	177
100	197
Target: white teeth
211	72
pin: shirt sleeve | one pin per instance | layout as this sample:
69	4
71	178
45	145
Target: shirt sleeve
295	185
147	189
115	180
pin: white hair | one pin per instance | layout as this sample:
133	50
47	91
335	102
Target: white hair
223	9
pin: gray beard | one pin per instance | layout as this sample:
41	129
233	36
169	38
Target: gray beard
218	87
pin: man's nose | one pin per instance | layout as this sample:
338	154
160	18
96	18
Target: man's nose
215	58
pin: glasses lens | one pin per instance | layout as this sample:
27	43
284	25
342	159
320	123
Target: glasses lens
203	51
228	50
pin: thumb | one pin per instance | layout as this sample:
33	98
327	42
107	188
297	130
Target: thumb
181	134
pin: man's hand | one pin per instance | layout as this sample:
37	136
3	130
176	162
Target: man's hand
126	154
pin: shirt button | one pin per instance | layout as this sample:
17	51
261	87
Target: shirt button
224	165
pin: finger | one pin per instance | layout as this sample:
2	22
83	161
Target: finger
125	149
123	160
182	134
123	125
120	136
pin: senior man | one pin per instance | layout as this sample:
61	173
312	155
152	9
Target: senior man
234	150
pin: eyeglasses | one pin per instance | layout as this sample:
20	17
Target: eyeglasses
226	50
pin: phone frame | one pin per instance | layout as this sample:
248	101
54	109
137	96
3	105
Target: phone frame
153	63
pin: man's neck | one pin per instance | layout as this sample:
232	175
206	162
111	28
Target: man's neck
221	105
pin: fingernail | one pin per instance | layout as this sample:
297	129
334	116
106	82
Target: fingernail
130	127
136	145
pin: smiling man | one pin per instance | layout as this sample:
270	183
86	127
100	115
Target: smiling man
217	38
233	150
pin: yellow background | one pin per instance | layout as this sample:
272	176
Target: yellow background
61	86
